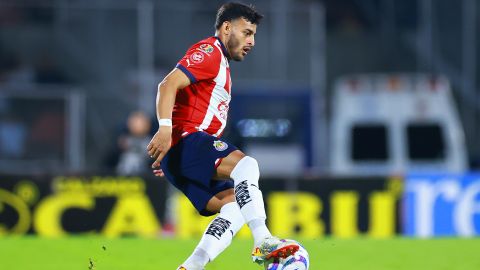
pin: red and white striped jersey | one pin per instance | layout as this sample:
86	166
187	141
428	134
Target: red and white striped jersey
203	105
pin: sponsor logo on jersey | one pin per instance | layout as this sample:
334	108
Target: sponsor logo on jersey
218	227
197	57
223	109
220	146
206	48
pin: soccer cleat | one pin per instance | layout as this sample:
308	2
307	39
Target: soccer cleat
193	267
273	248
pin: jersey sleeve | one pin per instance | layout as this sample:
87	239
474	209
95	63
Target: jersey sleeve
201	62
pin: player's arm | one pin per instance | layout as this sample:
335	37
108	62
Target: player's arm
167	91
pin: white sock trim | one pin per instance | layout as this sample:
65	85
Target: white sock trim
246	162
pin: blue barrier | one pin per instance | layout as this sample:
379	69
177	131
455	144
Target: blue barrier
442	205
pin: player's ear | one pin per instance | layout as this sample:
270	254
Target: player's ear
227	27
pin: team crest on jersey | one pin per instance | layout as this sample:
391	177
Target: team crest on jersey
197	57
220	146
206	48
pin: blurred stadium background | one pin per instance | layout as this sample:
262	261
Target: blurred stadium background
364	116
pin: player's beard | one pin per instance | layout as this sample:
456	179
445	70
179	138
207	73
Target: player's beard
233	46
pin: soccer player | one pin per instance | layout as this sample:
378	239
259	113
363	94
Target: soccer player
192	107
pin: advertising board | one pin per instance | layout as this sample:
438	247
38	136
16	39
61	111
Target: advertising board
442	205
117	206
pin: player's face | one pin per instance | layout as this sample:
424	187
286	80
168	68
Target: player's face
242	39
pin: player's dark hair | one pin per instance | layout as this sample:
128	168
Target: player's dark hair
231	11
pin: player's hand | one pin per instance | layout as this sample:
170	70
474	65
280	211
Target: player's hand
160	144
158	173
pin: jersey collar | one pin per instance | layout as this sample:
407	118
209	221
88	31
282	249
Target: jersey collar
224	49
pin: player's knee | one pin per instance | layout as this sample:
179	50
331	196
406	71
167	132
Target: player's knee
247	168
252	165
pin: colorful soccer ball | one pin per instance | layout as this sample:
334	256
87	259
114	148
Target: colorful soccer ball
298	261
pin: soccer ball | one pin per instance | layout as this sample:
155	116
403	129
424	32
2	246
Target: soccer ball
298	261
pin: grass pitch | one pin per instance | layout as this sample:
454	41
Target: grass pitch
93	253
